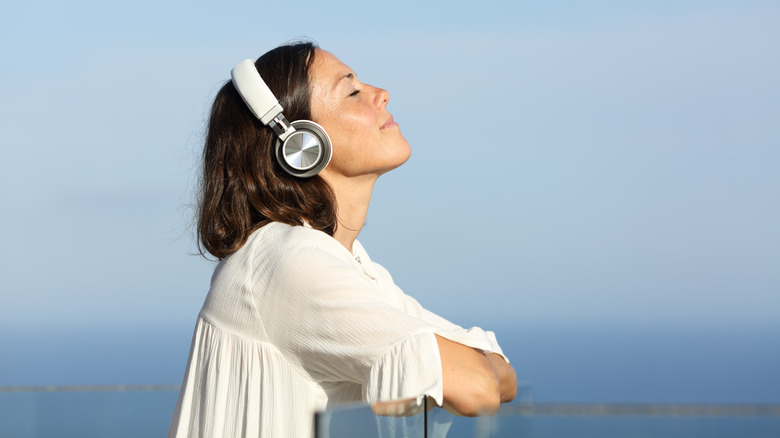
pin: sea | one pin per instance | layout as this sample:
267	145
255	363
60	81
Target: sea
121	383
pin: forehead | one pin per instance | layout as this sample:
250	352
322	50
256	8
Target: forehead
327	70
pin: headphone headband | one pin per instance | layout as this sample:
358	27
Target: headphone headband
301	152
256	94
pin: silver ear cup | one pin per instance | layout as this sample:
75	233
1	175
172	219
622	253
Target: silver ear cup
306	151
301	150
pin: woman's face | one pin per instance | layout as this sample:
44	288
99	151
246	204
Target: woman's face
366	140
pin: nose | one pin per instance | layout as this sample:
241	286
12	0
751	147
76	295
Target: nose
382	97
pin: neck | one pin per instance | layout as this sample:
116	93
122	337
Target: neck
353	195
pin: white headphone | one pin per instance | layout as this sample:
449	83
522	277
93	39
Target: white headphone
303	148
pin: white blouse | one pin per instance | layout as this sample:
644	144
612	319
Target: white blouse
294	323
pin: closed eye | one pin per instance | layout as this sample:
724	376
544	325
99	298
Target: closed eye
354	93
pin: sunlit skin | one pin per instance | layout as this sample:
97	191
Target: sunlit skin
366	139
367	142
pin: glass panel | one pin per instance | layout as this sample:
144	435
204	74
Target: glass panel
607	421
138	412
399	419
443	424
85	414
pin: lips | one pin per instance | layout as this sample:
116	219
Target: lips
388	124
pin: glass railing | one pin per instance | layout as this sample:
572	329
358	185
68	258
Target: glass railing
145	411
410	419
525	419
632	420
86	411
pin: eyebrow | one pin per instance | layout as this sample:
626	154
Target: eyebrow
349	75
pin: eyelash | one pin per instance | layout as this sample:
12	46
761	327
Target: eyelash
354	93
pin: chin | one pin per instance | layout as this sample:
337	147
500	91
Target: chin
403	158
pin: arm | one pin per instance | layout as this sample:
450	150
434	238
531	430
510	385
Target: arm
503	370
472	383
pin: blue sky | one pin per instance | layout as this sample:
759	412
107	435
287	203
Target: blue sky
602	163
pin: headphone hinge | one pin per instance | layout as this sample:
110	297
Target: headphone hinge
281	126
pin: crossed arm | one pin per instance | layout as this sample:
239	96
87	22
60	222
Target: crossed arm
474	382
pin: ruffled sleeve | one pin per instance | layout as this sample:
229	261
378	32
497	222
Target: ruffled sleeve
474	337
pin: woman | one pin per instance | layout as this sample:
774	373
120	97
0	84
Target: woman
298	318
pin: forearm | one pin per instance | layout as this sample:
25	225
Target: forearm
470	381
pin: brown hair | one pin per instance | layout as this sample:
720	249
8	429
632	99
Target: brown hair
242	185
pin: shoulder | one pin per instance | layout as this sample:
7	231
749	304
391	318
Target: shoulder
277	236
282	246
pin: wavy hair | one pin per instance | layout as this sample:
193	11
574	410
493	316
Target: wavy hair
242	186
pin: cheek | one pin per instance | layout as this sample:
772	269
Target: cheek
346	144
349	133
